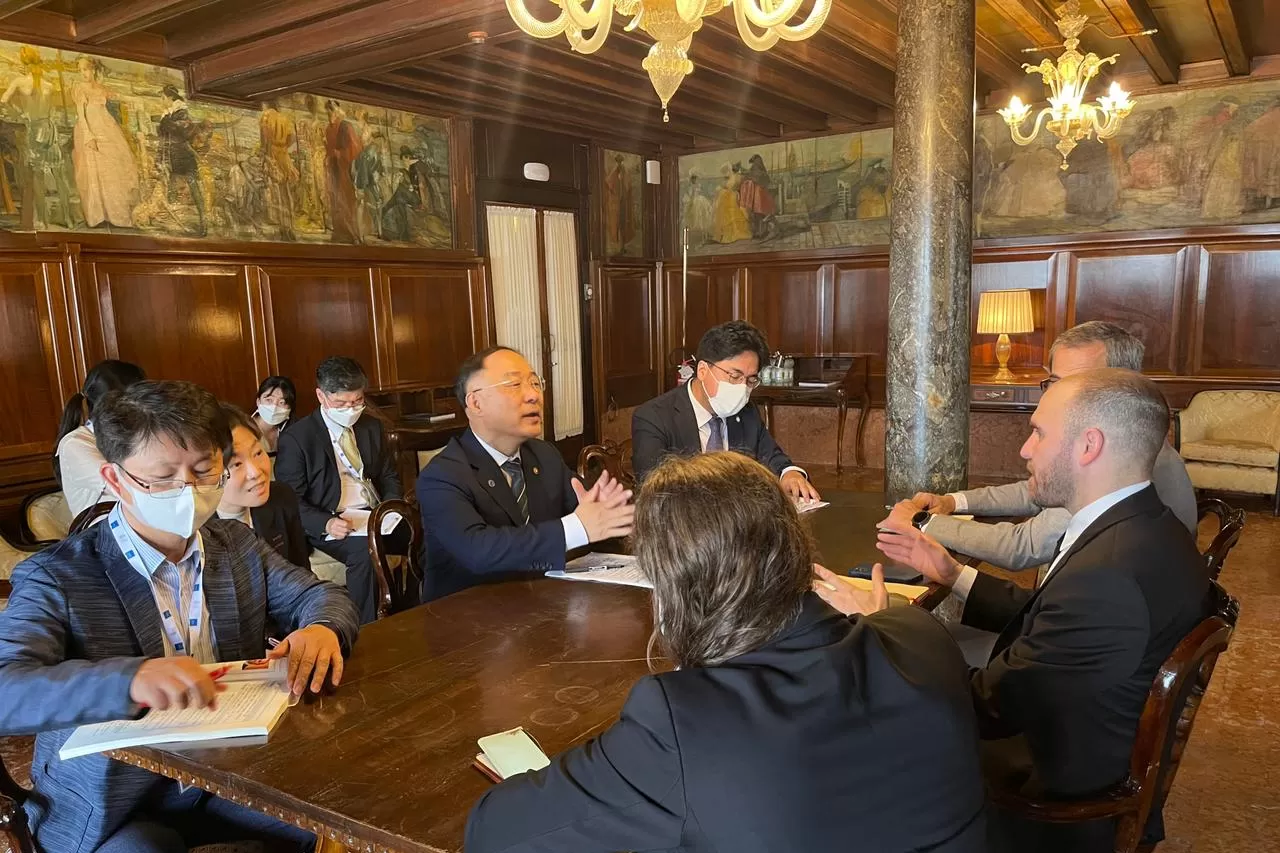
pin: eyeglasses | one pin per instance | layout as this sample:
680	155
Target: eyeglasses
170	489
737	377
1045	383
340	405
514	384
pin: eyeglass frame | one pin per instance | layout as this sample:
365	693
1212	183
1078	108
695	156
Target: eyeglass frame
1045	384
202	485
752	382
541	387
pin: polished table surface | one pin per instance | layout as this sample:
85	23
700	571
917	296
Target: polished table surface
384	763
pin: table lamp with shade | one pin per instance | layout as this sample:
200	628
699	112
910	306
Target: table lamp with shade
1005	313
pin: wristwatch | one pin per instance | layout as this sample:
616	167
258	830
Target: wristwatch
920	519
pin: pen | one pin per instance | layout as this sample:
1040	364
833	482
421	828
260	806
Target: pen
594	568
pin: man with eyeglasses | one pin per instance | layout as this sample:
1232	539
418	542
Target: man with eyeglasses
336	460
498	503
1087	346
119	619
713	411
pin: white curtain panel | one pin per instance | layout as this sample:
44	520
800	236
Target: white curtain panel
560	240
513	261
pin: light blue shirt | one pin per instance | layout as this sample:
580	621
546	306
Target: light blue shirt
575	534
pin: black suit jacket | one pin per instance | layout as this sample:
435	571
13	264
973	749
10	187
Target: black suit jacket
1075	659
279	522
838	735
474	531
305	462
667	425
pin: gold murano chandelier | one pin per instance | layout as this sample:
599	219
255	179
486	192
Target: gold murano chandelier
1069	117
671	24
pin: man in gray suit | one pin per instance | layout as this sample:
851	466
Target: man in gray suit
1031	543
118	619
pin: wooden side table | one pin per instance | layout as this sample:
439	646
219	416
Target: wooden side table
852	380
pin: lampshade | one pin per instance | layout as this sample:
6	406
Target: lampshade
1005	312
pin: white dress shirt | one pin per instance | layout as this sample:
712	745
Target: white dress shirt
703	418
81	467
575	534
1079	524
353	492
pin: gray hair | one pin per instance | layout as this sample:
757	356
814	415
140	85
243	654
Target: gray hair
1126	406
1123	349
338	374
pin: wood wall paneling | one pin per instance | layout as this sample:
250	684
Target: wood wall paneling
181	321
1034	274
436	319
860	311
1237	312
1140	290
791	305
707	299
628	365
317	312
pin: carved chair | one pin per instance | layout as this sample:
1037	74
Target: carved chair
610	456
1162	736
1230	441
13	820
1230	526
399	578
89	516
45	517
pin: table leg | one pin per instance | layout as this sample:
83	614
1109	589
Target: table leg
859	454
841	409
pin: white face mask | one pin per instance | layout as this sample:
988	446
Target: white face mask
344	417
274	415
729	399
181	516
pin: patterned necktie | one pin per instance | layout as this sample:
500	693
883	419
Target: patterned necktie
516	472
716	439
347	441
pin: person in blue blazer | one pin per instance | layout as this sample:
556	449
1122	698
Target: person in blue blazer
498	502
118	619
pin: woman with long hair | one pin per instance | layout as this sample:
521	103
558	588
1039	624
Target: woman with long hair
274	409
77	462
786	725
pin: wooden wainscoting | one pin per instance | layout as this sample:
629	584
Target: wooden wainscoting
627	361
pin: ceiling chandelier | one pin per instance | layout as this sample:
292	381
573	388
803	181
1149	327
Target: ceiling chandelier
671	24
1068	116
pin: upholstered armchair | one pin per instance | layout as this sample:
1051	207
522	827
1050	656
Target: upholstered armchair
1230	441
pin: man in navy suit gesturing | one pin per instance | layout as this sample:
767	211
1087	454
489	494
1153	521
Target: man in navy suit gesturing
499	503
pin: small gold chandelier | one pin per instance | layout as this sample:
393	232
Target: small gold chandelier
1069	117
672	24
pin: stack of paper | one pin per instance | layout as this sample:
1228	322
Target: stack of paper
604	568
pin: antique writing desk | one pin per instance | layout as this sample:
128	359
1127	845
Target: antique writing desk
384	763
846	377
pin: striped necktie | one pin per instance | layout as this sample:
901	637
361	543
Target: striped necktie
515	471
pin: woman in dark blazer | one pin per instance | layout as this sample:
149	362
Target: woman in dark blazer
250	496
786	727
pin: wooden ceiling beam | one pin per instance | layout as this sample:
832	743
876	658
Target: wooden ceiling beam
55	30
997	63
856	28
122	19
1158	51
13	7
1032	21
1226	19
267	20
566	100
359	38
423	98
526	58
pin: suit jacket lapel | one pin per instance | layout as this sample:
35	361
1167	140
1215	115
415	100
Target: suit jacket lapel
491	478
736	433
686	422
220	598
134	593
536	485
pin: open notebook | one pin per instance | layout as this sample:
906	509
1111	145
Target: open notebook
256	696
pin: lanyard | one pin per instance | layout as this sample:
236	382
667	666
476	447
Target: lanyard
195	613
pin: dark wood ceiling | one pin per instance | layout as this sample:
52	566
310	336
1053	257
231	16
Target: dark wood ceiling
418	54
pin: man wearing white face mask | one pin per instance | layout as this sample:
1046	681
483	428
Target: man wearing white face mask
713	411
118	619
336	460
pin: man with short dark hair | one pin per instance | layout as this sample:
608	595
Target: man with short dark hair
1064	687
498	503
119	618
337	461
1029	543
713	411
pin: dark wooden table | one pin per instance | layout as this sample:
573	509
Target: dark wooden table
384	763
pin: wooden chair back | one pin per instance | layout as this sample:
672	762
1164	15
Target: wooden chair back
610	456
1230	526
13	820
89	516
399	580
1163	730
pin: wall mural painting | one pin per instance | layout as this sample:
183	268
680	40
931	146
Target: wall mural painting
1191	158
97	144
623	204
